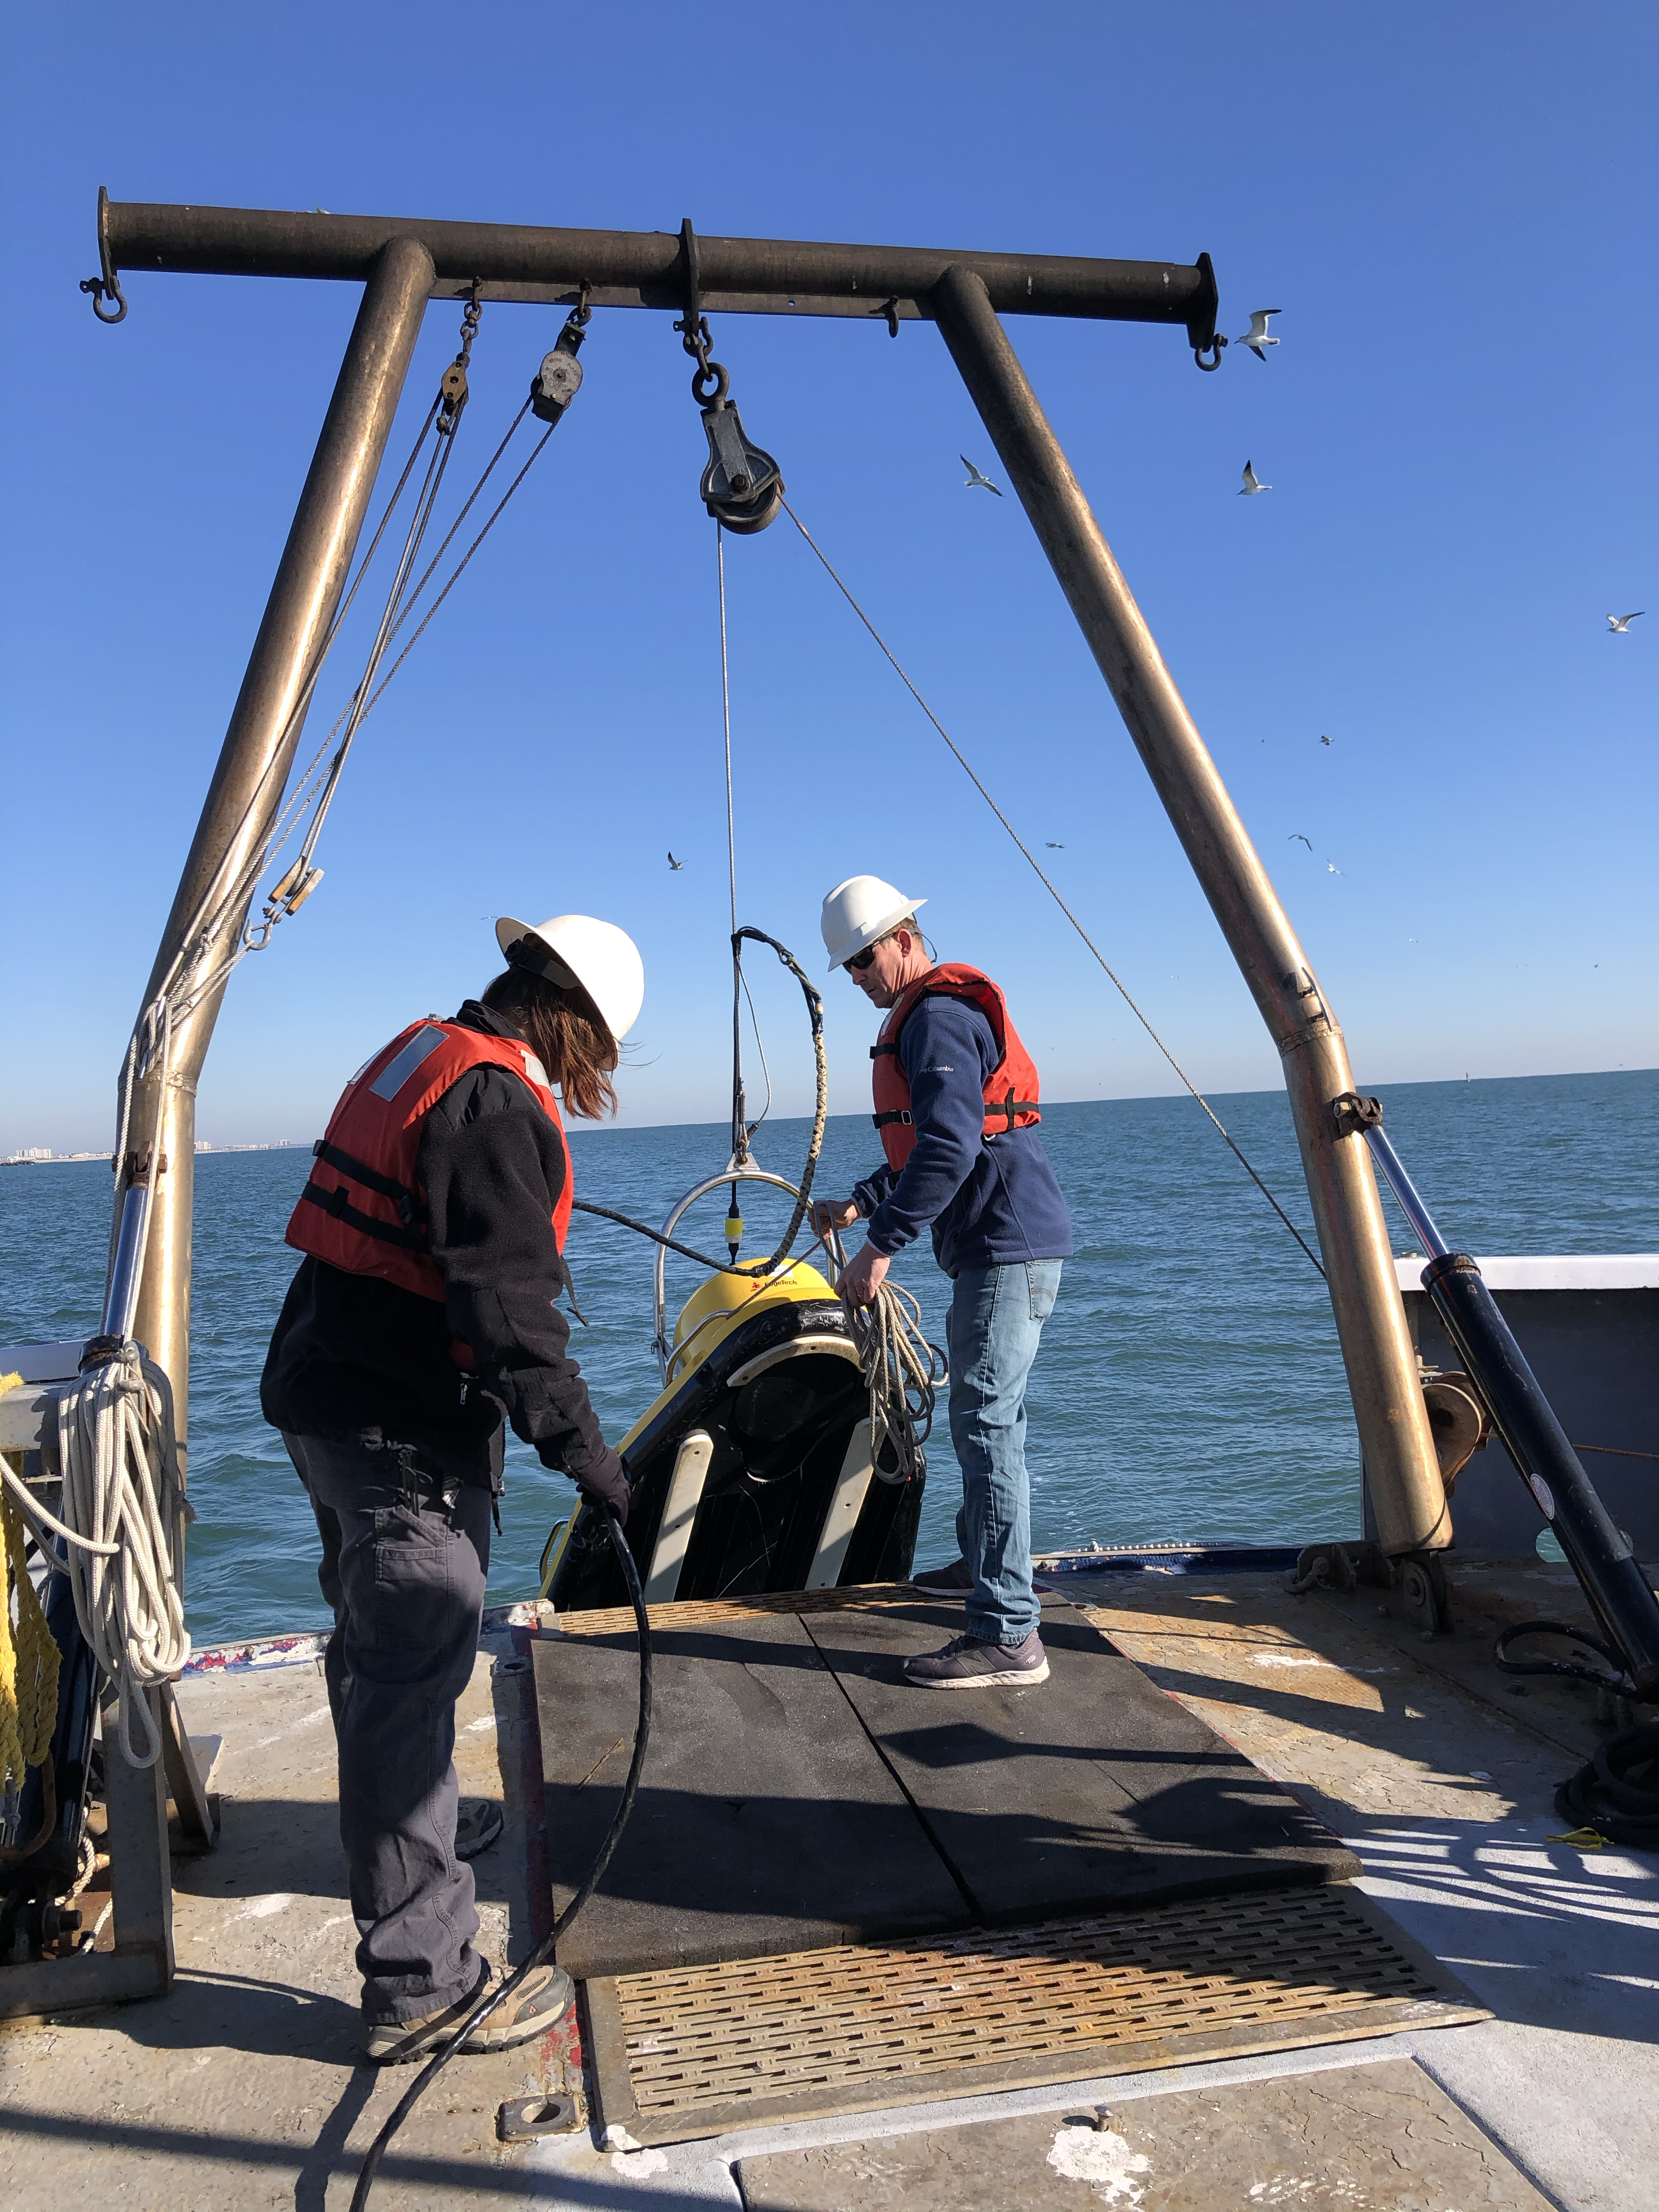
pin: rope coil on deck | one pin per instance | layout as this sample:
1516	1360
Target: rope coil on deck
124	1513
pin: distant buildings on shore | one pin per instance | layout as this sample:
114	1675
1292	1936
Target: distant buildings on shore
40	1156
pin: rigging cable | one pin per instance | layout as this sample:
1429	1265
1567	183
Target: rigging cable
1050	887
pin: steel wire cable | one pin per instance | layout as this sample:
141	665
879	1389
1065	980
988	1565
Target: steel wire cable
1043	877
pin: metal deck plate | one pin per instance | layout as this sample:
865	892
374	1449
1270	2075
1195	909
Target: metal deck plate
1378	2135
697	2052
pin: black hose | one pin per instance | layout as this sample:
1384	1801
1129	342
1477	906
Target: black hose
1617	1791
429	2073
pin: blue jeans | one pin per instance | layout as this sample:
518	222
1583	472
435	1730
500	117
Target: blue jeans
404	1574
992	1332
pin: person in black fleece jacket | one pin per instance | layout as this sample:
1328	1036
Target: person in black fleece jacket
392	1406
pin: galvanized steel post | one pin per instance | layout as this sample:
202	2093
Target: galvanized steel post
253	765
1400	1465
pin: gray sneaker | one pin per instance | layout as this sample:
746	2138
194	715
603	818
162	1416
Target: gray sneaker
969	1663
956	1580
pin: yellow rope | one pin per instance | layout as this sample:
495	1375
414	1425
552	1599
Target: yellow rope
28	1662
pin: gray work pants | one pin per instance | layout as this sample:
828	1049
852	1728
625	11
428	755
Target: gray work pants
404	1575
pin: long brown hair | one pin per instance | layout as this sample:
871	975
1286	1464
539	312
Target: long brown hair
567	1033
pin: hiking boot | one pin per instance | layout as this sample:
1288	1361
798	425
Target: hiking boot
969	1663
538	2004
392	2042
478	1823
956	1580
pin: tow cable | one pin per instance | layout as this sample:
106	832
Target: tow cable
546	1949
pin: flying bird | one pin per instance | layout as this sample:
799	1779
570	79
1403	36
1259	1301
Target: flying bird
1252	484
1332	865
1256	337
676	865
1325	741
1054	845
1619	625
1295	834
975	480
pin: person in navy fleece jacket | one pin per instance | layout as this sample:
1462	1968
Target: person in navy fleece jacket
1001	1231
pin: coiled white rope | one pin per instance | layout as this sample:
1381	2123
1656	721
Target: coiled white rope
124	1513
902	1371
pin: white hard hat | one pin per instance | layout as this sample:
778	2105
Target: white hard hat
857	912
575	948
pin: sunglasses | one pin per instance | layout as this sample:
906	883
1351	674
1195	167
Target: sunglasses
860	960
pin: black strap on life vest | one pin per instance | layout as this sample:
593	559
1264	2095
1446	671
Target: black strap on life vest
409	1235
335	1202
897	1114
383	1186
1011	1106
877	1050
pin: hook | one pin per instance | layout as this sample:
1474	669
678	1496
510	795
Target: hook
1217	346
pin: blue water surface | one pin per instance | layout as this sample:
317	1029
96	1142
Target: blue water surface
1189	1382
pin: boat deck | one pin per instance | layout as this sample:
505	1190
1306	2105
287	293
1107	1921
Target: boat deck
239	2088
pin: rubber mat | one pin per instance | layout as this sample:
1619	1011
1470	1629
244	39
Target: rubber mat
683	2054
766	1819
799	1792
1094	1789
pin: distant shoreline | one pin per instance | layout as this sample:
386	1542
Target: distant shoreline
1143	1099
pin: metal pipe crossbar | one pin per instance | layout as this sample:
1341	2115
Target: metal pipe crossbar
649	268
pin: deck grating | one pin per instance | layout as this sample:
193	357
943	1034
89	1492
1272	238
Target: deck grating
695	2050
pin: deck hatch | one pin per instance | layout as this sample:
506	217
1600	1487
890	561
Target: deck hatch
696	2051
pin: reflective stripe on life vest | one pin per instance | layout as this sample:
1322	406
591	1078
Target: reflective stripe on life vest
1011	1092
364	1210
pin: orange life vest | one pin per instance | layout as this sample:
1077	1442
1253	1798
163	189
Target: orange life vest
364	1210
1011	1088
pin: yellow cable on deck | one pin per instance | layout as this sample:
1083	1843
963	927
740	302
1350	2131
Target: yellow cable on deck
28	1657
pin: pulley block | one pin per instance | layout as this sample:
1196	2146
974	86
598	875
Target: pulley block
559	378
743	486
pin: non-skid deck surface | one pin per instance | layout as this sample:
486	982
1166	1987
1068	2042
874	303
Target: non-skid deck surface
703	2051
764	1820
1095	1790
799	1792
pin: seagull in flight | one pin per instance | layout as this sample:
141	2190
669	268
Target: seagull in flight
1619	625
1256	337
1296	833
676	865
975	480
1332	865
1325	741
1054	845
1252	484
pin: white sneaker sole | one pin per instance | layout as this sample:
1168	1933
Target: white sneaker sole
1011	1678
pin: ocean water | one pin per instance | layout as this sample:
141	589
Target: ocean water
1188	1385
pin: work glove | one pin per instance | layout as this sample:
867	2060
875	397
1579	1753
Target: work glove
606	1483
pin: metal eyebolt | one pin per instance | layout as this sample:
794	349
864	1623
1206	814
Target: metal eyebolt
709	373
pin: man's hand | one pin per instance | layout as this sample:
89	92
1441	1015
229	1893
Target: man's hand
863	1277
606	1483
829	1213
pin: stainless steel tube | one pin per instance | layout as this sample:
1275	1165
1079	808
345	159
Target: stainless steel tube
253	765
1401	1466
1434	1246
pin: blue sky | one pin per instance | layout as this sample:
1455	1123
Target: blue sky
1452	205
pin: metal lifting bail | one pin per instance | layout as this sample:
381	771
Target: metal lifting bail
743	486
